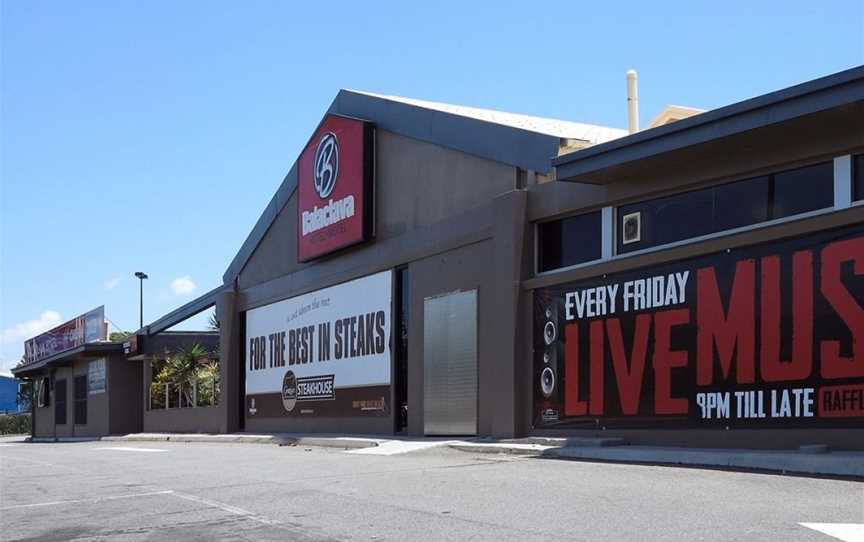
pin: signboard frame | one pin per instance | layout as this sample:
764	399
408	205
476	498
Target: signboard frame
334	213
326	353
758	336
84	328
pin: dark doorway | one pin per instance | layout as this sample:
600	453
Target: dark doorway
400	346
241	374
60	402
80	400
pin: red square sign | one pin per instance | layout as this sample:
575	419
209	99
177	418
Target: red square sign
335	187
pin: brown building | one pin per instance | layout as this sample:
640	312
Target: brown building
85	386
439	270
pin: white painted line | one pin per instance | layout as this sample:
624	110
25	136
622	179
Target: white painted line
77	501
394	447
848	532
3	444
131	449
226	508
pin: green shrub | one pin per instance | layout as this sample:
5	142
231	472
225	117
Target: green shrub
14	424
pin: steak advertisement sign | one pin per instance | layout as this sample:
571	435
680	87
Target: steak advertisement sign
335	179
761	336
326	353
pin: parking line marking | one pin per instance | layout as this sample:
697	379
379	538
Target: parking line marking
78	501
848	532
395	447
227	508
131	449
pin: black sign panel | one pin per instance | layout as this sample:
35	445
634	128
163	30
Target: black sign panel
770	335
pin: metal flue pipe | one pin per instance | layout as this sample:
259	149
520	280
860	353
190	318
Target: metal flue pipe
632	102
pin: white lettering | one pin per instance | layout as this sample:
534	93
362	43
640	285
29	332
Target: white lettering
333	212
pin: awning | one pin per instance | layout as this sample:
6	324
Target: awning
88	350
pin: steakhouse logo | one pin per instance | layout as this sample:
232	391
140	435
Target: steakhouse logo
315	388
307	388
332	213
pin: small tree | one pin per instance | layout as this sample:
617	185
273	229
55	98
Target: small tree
118	336
186	368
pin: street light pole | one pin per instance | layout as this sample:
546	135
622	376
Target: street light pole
141	276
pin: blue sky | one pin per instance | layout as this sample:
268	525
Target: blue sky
150	135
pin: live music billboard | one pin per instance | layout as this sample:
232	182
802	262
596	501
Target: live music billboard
770	335
335	183
322	354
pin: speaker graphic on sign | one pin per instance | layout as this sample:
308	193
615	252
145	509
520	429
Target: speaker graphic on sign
550	368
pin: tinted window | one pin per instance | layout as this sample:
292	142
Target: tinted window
569	241
60	402
804	189
729	206
664	219
81	400
858	177
741	204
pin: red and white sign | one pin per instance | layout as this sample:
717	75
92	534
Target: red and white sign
335	183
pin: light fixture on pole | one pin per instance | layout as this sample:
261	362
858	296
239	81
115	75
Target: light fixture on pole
141	276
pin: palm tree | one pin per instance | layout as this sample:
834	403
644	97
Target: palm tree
183	367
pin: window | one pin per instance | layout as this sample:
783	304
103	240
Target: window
569	241
60	402
729	206
81	400
858	177
43	395
805	189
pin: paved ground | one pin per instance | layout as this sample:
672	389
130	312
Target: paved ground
198	491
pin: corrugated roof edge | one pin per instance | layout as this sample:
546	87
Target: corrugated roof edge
505	144
678	134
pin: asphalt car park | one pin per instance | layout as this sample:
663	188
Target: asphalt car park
208	491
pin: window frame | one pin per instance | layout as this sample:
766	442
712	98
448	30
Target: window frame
615	216
582	212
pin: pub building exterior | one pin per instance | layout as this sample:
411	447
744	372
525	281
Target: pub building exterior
429	269
87	386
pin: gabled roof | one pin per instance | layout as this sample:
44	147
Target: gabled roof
521	141
541	125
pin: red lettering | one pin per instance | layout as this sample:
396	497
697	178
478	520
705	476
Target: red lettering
732	332
800	365
629	376
833	365
572	405
597	356
665	359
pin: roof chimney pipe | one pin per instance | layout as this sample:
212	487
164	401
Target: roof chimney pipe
632	102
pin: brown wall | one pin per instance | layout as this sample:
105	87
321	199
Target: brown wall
176	420
435	212
97	404
124	395
44	416
114	411
418	185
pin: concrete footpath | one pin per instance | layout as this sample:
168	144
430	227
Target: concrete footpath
814	460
